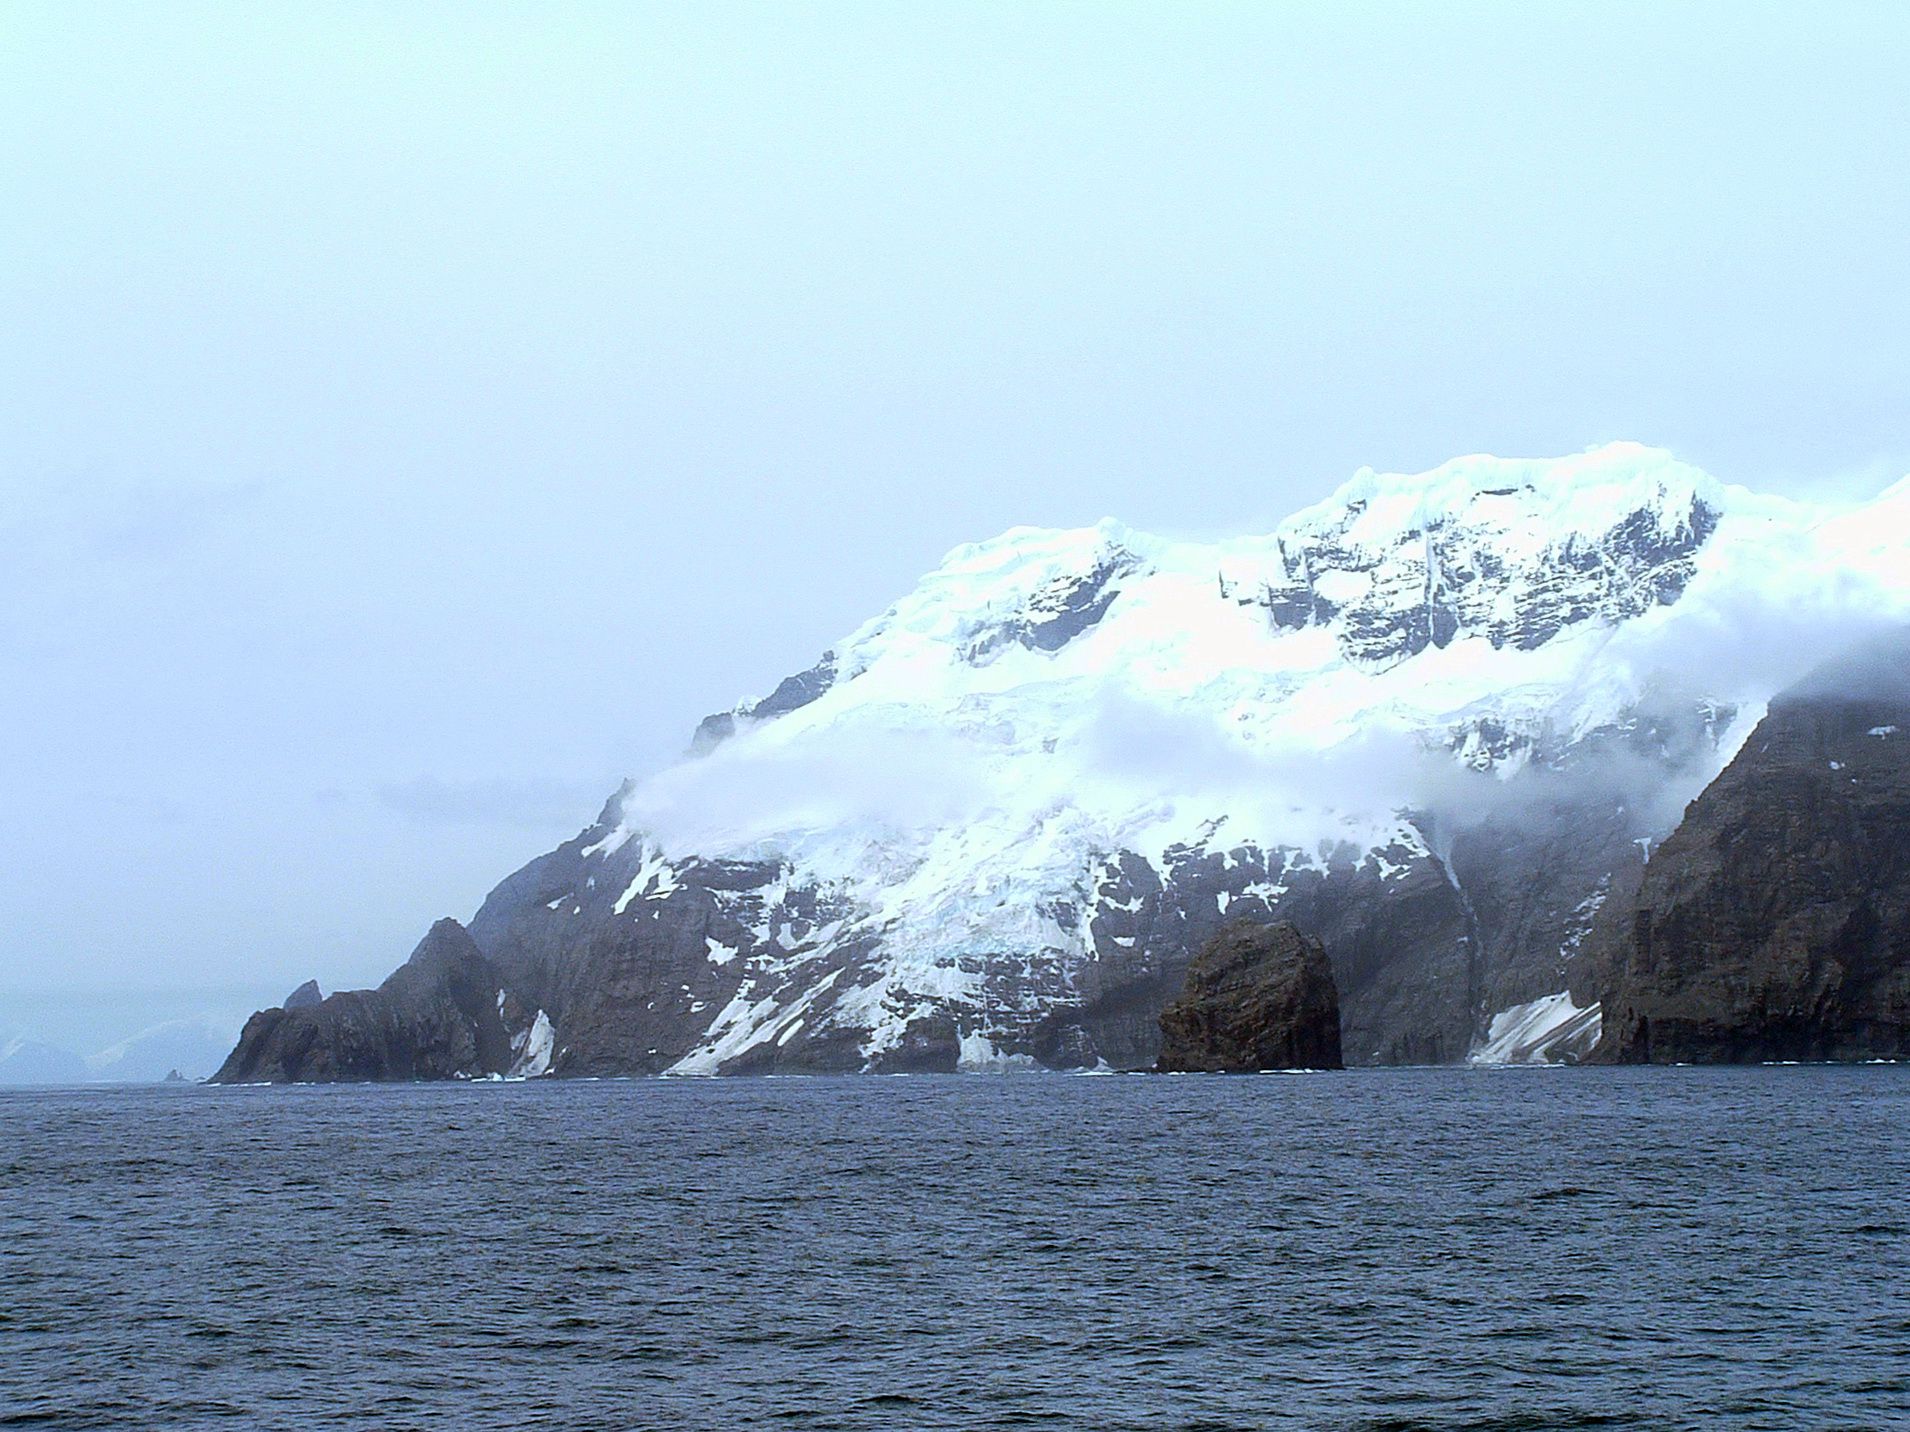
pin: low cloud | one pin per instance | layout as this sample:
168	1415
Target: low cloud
1748	644
859	774
1121	753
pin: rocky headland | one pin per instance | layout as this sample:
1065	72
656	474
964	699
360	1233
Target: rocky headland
441	1015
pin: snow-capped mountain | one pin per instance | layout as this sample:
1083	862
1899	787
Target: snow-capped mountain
1430	720
190	1048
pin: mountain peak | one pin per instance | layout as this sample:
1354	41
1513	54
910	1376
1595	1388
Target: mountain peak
990	824
1584	494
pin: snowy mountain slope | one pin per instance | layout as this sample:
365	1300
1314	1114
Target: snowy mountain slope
192	1048
24	1060
1429	719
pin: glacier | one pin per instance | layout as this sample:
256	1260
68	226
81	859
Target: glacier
1550	1030
1431	719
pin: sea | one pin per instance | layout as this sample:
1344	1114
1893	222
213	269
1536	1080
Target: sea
1374	1249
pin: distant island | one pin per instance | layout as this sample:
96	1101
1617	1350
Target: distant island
1482	733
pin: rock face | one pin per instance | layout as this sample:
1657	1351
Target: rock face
304	997
439	1016
1432	721
1774	923
1425	586
791	694
1257	997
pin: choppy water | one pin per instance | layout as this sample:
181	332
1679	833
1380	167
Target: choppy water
1651	1248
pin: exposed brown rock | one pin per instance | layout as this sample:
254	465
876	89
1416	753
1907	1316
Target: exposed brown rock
1257	997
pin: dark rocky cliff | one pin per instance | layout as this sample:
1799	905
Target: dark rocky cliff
1257	997
1774	923
439	1016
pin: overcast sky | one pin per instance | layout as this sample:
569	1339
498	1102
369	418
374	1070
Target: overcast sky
413	418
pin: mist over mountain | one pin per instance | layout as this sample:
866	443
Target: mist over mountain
1430	720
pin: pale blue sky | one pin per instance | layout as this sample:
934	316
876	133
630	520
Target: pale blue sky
414	417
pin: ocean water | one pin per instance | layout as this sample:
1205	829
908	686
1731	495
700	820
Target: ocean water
1668	1248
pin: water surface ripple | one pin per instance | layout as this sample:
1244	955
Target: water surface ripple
1375	1250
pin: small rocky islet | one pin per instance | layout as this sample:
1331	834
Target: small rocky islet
1257	997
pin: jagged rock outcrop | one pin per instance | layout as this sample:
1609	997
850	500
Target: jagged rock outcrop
1774	923
792	693
1257	997
1422	585
439	1016
304	997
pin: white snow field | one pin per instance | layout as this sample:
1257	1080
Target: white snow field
968	761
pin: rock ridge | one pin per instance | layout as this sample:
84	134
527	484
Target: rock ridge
440	1015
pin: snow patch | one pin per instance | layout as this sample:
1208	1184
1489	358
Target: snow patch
654	880
610	844
535	1048
1551	1030
978	1053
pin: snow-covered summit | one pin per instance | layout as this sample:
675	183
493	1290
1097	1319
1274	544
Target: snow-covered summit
1022	790
1550	499
1399	605
1513	550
